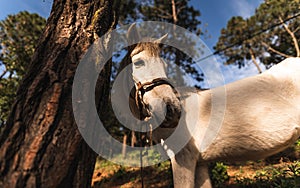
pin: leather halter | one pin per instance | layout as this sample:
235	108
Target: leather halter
141	89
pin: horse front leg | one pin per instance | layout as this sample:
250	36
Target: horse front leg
183	175
202	179
184	166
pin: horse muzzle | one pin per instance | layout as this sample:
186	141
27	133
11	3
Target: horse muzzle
167	114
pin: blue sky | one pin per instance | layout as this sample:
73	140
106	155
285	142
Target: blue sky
214	14
42	7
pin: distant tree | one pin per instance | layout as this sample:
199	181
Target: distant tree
19	35
127	11
246	41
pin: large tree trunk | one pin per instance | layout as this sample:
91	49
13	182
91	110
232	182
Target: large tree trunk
41	145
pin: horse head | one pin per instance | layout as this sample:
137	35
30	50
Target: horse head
153	96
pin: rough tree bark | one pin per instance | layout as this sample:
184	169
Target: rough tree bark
40	146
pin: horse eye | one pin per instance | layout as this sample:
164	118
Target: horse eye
139	63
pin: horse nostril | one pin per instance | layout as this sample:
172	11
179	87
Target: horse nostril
169	107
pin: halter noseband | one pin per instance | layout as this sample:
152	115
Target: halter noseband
142	88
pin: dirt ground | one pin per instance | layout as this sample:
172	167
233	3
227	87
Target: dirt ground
109	175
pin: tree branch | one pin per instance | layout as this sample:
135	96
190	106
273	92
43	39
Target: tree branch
180	9
163	12
292	35
165	16
178	2
269	48
4	73
296	29
254	61
175	19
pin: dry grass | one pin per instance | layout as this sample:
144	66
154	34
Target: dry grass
272	172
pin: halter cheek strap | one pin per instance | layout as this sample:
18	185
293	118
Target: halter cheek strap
143	108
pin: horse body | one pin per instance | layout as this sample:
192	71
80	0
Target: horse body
260	115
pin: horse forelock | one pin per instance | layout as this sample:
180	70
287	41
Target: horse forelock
151	48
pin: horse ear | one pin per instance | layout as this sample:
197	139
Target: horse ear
133	35
161	39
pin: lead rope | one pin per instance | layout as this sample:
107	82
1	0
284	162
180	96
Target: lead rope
148	144
140	105
141	158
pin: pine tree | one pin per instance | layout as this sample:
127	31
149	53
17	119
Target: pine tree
19	35
269	36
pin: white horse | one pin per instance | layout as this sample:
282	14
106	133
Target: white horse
261	116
